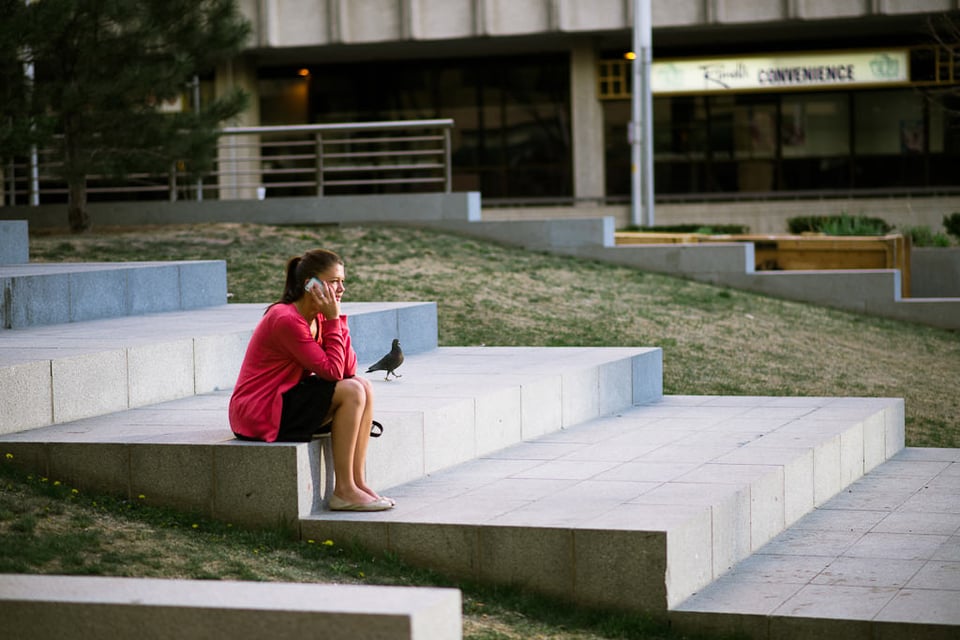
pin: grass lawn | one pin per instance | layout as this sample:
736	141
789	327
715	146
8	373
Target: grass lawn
715	341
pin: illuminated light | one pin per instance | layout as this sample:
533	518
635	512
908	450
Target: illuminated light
304	73
630	55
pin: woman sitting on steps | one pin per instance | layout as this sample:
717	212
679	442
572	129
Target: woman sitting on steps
298	379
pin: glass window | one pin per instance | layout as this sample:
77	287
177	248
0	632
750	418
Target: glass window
888	122
511	137
815	125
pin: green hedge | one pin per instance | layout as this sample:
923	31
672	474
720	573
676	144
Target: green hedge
840	225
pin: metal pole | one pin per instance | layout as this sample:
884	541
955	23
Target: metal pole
641	124
196	109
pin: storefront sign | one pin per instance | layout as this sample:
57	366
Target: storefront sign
814	71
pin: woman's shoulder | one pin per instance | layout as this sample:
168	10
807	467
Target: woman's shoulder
282	312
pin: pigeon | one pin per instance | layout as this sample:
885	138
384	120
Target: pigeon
390	361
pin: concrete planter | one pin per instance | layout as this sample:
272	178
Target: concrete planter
935	272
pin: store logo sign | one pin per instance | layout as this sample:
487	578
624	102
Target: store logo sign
883	66
781	72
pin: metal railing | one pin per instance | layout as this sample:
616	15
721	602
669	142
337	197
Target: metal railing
259	162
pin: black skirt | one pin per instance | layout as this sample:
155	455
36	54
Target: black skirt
305	406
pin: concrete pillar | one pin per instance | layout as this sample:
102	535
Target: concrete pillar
239	156
587	122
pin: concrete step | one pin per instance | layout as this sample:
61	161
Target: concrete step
450	406
52	294
57	374
637	510
879	560
14	242
80	607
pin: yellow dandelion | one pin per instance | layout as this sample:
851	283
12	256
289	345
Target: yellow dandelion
328	543
74	491
310	541
56	483
142	497
195	525
9	456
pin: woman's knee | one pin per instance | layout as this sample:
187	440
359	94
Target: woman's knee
349	390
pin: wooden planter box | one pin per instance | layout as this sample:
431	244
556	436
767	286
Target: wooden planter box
803	252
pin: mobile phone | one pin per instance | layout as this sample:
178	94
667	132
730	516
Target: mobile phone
312	283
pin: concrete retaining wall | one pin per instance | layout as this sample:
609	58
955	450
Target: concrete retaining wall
306	210
935	272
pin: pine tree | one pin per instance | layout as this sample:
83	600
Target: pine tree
102	68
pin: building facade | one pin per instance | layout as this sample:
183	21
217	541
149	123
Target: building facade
762	100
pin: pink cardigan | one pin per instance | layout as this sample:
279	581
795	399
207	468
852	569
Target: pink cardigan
281	350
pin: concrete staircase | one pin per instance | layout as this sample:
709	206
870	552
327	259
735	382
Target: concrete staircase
562	470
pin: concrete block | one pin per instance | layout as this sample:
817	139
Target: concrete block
100	293
528	557
153	289
540	406
97	607
616	385
648	376
368	533
159	372
262	484
398	455
605	576
39	300
935	272
851	455
581	395
89	385
31	457
417	327
176	476
826	470
203	283
874	441
498	422
449	434
449	549
766	508
894	427
798	487
217	360
101	469
14	242
371	335
25	392
689	557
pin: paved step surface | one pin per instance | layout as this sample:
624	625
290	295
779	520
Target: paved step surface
879	560
636	510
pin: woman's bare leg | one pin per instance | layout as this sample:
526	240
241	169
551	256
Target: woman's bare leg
347	409
363	440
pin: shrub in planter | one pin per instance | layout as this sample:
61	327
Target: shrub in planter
952	224
840	225
923	236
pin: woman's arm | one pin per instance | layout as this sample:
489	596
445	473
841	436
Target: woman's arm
327	359
350	365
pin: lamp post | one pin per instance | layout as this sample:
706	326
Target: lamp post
641	124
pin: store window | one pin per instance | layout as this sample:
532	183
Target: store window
815	141
890	139
511	137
